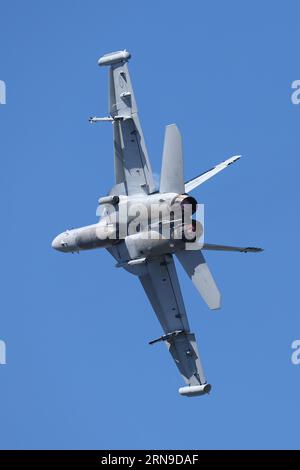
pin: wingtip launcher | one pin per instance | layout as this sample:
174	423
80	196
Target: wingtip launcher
195	390
114	58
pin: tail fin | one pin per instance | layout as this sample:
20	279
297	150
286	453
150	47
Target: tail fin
172	180
196	268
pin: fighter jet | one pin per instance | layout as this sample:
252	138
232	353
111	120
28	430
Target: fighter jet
143	227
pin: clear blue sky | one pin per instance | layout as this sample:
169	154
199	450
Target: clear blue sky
79	371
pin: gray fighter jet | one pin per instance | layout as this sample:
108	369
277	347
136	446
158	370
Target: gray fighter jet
143	227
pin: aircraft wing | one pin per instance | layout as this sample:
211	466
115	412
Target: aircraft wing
160	282
133	174
161	285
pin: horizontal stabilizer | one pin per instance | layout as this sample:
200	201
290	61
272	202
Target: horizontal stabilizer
193	183
247	249
196	268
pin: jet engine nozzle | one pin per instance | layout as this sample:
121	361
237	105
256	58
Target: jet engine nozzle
187	203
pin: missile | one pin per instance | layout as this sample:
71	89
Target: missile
94	119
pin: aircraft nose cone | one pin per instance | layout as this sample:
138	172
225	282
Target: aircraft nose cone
63	242
56	243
